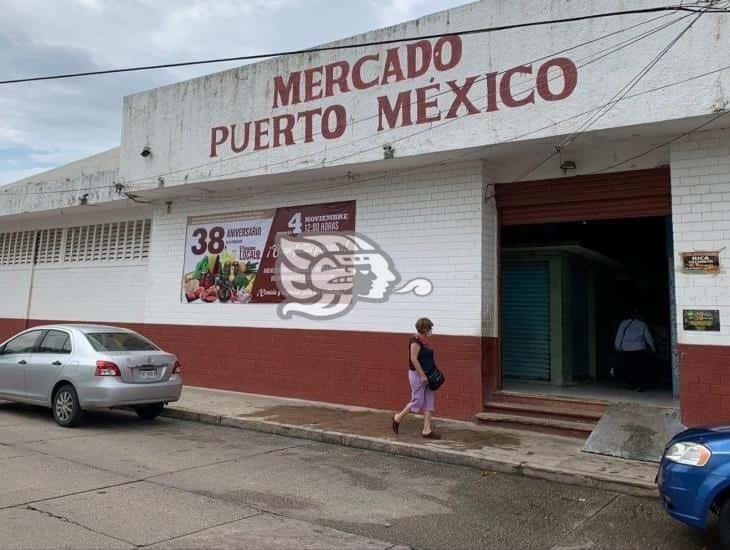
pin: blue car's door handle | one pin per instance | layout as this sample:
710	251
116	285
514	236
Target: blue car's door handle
22	362
56	363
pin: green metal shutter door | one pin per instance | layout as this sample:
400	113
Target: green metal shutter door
526	320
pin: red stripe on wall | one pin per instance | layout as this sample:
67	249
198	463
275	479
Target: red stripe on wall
620	195
704	374
355	368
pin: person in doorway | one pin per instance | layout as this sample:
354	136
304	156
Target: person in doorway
420	362
632	344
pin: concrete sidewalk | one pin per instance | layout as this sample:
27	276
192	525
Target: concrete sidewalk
535	455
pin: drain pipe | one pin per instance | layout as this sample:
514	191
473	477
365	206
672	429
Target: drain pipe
34	260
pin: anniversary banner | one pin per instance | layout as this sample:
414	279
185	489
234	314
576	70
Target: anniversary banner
231	258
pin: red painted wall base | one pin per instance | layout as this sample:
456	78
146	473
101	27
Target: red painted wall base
356	368
704	374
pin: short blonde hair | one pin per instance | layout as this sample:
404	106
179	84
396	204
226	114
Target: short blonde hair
423	325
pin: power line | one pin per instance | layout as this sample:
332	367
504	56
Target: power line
504	142
664	144
630	85
254	57
386	174
608	51
239	172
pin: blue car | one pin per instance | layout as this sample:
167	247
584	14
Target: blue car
694	478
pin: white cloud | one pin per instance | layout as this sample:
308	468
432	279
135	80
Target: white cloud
44	124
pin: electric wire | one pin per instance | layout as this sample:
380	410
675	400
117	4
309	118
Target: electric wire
355	122
252	57
579	66
630	85
433	126
513	139
358	121
591	59
715	71
664	144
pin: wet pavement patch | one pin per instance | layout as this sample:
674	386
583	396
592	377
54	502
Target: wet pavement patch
378	424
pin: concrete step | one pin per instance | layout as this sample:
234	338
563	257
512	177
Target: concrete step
562	412
551	401
545	424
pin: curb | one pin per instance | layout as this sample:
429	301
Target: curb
446	456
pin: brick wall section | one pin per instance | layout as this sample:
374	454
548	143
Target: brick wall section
700	168
705	384
354	368
8	327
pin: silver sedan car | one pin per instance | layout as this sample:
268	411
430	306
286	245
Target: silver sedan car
72	368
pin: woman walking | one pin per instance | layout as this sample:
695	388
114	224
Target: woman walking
420	363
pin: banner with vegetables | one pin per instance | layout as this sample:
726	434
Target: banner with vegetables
230	258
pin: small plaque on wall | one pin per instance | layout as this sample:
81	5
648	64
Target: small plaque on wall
701	319
701	262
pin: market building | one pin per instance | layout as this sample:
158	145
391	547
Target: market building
546	180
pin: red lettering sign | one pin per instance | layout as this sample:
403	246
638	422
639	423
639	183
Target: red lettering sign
421	105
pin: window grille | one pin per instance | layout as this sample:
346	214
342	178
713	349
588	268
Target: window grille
127	240
16	247
50	243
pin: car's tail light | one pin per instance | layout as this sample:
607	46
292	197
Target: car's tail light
107	368
177	369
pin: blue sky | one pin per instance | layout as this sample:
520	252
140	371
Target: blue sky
47	124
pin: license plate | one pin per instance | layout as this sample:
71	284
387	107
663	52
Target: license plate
148	374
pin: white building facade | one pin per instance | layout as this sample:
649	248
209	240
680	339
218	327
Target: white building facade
472	160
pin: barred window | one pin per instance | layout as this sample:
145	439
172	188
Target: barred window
129	240
50	242
16	247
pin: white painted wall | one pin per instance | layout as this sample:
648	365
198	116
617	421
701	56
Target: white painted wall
701	216
15	282
100	162
176	120
62	187
429	221
113	291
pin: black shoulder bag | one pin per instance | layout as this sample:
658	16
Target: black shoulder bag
436	378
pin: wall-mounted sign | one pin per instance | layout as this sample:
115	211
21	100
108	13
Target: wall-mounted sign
309	104
230	258
701	319
701	262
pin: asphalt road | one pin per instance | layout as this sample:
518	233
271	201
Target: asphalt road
118	482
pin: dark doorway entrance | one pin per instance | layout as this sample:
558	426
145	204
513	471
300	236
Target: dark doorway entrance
566	288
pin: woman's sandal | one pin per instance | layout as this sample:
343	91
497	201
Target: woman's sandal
431	435
396	425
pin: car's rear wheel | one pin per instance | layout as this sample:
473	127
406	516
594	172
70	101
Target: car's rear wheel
149	412
66	407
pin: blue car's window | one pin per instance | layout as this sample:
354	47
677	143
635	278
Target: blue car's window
119	341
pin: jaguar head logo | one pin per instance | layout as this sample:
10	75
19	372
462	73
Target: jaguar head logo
323	275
